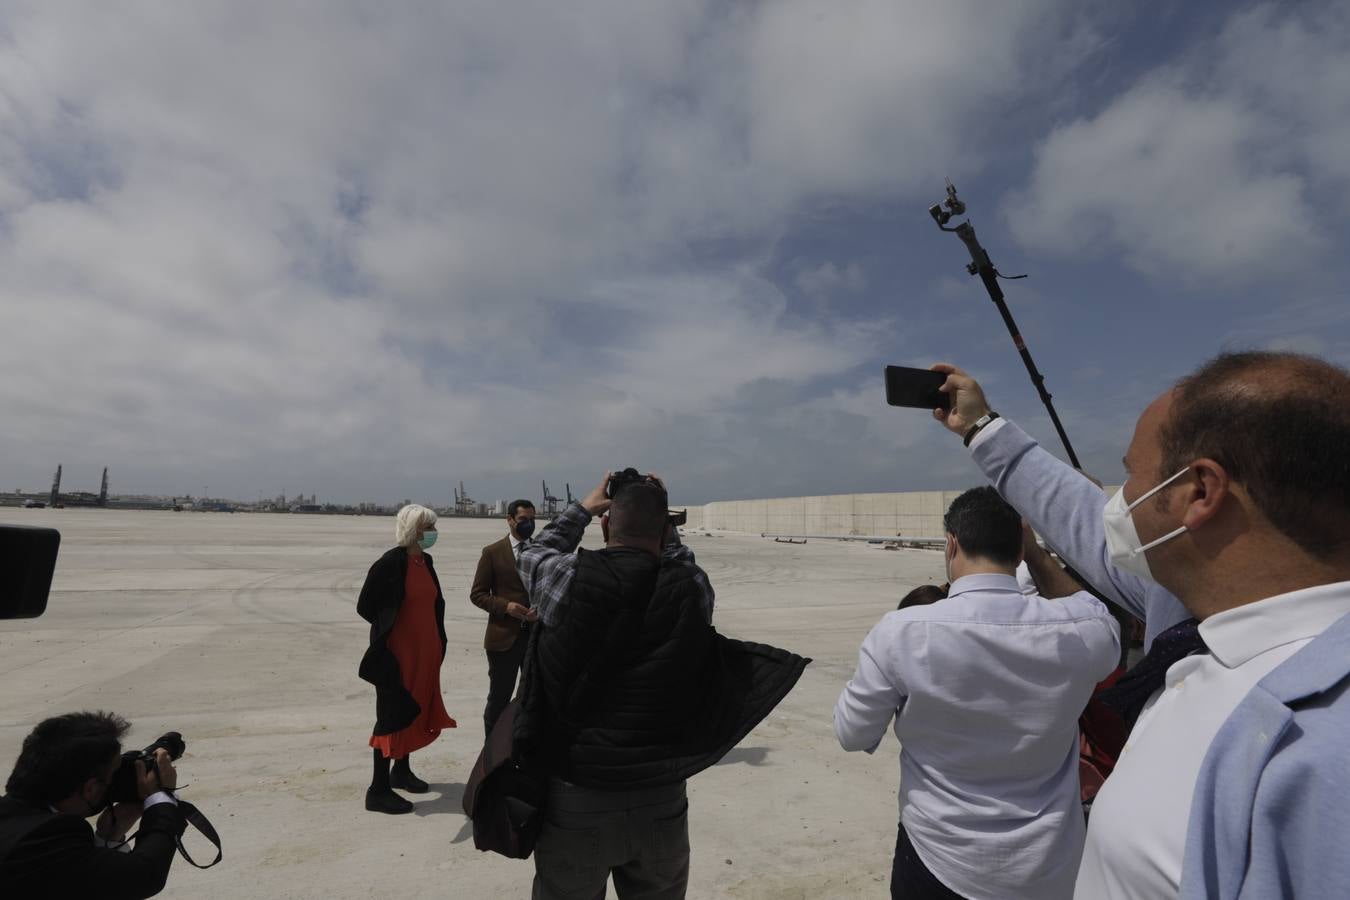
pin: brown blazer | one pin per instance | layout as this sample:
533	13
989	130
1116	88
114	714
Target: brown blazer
496	583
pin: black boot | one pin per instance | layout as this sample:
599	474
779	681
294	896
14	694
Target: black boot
380	797
403	778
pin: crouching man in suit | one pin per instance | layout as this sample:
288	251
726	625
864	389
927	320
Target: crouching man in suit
498	591
62	777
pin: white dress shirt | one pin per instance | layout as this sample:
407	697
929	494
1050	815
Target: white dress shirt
986	688
1025	582
1138	829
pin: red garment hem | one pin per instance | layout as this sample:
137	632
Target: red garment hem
413	738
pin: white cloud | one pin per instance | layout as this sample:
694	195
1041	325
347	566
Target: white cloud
1223	166
829	278
368	246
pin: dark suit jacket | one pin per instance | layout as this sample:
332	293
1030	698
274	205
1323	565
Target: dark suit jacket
495	584
47	854
379	603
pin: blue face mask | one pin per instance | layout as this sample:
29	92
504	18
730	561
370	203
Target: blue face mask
524	528
426	540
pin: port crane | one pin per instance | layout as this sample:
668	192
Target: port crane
550	501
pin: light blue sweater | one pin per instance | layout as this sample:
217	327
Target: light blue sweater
1271	812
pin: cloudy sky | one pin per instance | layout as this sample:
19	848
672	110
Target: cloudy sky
369	249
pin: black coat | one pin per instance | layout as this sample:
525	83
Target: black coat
379	603
633	687
47	854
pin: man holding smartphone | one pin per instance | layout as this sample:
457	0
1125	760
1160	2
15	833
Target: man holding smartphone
1231	536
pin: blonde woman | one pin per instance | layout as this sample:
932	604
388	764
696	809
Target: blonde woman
402	601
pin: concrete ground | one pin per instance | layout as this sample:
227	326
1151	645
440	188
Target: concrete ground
240	631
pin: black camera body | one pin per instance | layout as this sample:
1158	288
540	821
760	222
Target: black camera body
122	788
627	477
624	478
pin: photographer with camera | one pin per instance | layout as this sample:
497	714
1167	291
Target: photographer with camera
70	768
628	691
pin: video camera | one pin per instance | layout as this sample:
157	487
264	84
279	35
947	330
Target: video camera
624	478
27	563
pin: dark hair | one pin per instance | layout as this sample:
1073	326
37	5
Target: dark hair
517	505
638	512
922	595
1279	424
985	526
62	753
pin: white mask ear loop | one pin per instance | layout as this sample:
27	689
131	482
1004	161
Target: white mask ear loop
1149	493
1144	496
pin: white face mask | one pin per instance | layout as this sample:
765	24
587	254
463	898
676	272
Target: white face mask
1122	540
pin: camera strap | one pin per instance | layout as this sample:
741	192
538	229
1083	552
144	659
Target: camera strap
194	817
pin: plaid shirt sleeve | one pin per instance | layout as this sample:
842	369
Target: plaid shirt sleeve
548	563
676	551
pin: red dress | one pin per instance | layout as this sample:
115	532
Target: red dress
416	643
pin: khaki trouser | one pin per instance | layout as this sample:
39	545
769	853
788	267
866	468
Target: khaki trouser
640	837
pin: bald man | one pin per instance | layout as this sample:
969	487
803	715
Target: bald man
1237	505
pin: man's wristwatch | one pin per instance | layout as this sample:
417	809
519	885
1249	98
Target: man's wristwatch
979	423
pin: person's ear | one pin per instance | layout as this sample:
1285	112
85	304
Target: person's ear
1203	492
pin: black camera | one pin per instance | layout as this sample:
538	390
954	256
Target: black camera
626	478
123	788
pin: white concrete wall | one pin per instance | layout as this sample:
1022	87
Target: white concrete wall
914	514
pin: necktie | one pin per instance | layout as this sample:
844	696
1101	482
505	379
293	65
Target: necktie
1129	695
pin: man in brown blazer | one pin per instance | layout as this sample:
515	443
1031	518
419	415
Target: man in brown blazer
498	591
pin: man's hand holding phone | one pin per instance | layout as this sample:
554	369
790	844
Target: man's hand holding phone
968	404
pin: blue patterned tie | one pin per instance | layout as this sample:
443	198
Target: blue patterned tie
1129	695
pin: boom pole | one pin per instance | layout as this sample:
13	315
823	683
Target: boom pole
982	266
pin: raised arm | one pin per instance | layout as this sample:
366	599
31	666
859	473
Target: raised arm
1059	502
548	563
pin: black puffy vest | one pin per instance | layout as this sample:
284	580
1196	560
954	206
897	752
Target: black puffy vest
633	687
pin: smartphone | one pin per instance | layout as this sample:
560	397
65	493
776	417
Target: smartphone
27	562
916	388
